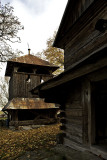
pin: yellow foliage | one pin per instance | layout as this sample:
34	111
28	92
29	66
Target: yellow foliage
14	143
53	55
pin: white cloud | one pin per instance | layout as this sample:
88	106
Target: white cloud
36	6
40	19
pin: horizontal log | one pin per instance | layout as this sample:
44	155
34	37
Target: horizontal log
63	120
74	145
74	128
60	138
86	41
63	127
98	77
87	66
74	105
74	138
73	133
74	112
35	122
75	95
74	120
62	114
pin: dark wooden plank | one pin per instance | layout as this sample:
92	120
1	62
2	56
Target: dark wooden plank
77	73
74	112
74	105
95	76
73	128
86	102
74	145
94	13
74	138
86	41
75	134
19	87
74	120
84	49
75	10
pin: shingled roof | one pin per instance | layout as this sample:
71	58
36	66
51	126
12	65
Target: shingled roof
27	60
30	59
28	103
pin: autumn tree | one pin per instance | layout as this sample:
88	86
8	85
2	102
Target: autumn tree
53	55
9	27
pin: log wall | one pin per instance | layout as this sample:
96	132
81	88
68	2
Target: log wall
79	117
73	125
82	41
20	86
74	115
77	8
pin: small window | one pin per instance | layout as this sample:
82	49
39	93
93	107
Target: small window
28	80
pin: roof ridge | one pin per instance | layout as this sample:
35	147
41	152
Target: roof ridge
31	59
28	55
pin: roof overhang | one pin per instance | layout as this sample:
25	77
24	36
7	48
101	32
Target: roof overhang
91	63
28	103
11	65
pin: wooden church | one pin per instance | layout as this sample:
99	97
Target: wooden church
81	90
23	108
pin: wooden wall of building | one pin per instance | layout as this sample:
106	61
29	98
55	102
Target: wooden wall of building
21	83
84	39
73	12
79	121
74	113
77	8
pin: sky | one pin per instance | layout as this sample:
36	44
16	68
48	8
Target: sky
40	19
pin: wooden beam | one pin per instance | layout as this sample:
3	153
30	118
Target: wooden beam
87	67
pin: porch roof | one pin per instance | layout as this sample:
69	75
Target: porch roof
28	103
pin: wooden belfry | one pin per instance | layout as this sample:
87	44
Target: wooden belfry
23	108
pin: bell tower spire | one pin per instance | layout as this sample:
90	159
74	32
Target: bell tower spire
28	49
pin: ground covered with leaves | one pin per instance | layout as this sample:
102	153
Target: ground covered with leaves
13	144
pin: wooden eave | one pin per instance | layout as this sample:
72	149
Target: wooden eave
28	103
65	34
89	64
11	65
30	61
